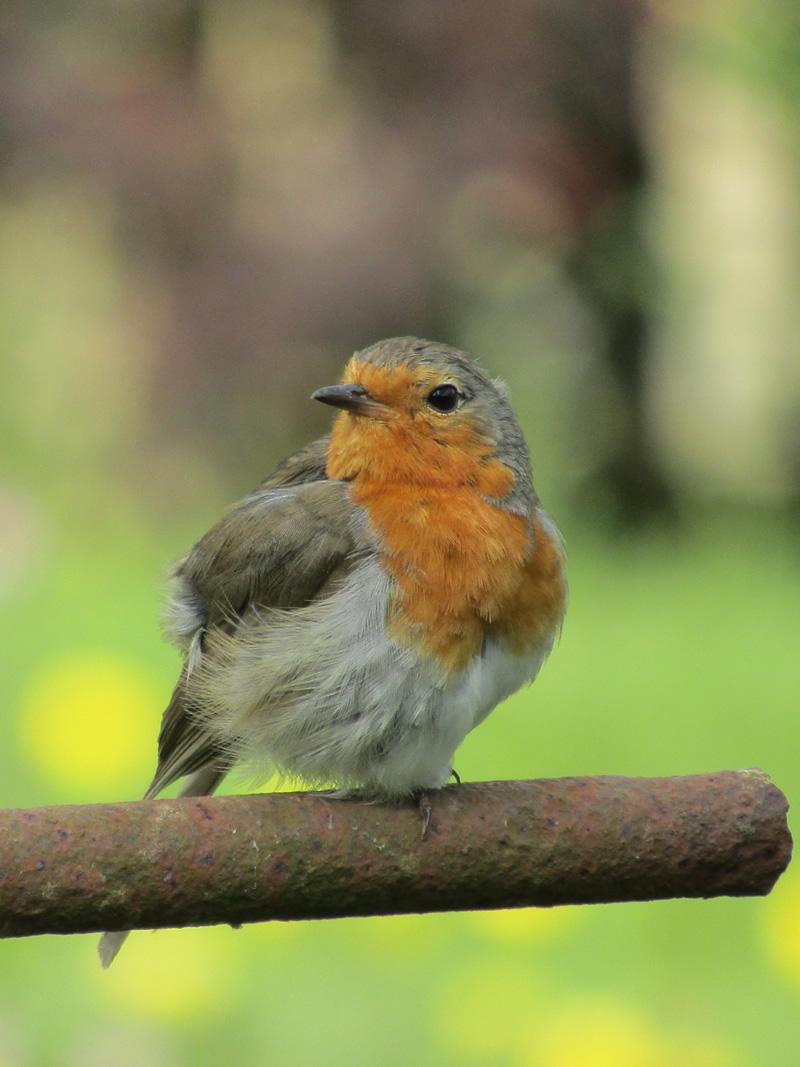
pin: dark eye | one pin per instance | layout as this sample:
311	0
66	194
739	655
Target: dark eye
444	398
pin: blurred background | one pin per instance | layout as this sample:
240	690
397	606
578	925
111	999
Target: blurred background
204	209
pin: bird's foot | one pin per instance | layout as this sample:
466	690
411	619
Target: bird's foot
454	774
337	794
426	813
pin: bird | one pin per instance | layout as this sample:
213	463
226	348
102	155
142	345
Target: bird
353	618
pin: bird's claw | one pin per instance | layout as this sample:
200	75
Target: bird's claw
426	811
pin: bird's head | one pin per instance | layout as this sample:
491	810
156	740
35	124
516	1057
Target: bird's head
417	412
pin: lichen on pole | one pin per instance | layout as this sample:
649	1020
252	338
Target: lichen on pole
200	861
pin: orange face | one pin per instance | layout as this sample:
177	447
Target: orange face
401	388
406	439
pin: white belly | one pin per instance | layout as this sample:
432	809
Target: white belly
324	694
422	753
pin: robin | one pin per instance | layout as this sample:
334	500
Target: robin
351	620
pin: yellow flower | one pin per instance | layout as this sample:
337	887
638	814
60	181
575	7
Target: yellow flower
89	723
606	1034
500	1014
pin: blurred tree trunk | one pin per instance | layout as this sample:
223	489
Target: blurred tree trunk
547	91
611	268
430	101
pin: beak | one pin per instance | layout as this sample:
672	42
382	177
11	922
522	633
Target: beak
354	398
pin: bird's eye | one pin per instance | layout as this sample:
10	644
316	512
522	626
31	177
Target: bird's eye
444	398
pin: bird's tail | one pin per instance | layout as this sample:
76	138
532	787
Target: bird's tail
201	783
109	945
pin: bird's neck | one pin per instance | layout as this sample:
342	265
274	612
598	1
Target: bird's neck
367	452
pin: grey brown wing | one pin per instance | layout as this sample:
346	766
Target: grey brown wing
307	465
278	548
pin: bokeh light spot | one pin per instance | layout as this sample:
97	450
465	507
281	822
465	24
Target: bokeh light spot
782	927
526	925
607	1034
88	722
172	975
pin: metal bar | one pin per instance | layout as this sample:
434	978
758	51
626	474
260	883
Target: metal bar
199	861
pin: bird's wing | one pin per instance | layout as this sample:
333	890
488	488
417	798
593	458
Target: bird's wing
279	547
306	465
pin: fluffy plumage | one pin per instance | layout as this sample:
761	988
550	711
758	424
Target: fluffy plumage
353	618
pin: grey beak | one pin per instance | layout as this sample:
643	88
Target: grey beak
353	398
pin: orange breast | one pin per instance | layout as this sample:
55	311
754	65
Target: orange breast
464	570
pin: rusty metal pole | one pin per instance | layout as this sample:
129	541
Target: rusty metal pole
293	856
